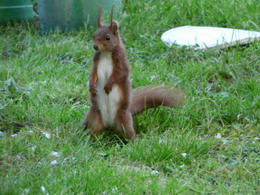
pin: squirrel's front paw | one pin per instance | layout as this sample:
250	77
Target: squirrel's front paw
108	87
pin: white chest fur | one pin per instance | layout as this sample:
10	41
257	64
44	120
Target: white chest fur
107	104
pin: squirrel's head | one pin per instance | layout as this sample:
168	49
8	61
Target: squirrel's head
106	38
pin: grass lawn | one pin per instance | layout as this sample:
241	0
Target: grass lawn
210	146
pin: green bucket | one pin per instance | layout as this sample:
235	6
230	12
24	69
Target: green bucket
16	10
72	14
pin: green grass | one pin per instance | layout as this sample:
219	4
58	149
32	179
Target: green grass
43	88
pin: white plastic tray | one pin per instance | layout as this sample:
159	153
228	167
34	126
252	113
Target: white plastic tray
202	37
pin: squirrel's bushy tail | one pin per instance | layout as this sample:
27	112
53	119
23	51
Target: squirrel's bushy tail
154	96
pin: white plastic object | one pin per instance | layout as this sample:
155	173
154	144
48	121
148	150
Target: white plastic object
202	37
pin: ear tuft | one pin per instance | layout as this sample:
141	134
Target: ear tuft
100	16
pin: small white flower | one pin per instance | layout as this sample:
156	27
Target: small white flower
218	136
46	134
184	154
55	154
43	189
26	191
154	172
18	157
225	141
181	166
54	162
114	190
33	148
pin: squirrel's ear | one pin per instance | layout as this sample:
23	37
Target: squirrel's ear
113	24
114	27
99	16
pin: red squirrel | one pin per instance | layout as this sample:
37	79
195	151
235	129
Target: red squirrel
113	103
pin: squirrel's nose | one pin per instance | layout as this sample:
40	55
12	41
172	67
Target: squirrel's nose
95	47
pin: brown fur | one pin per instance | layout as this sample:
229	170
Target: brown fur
130	104
154	96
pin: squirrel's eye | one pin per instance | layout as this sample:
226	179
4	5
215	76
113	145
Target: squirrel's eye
107	37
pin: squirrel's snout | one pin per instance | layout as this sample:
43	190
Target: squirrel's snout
95	47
